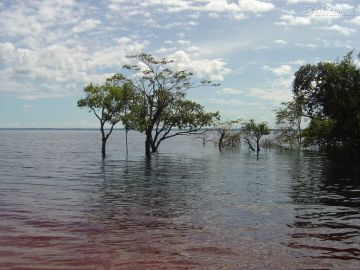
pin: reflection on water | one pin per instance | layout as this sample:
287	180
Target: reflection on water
327	198
190	207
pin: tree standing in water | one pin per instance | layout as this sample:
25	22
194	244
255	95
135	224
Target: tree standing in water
159	105
108	105
288	121
252	132
126	98
225	135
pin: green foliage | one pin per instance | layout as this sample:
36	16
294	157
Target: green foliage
226	136
186	114
108	102
159	103
232	139
318	132
330	91
288	121
252	132
102	100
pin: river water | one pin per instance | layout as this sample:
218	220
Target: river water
189	207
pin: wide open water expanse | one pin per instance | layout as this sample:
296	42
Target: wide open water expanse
189	207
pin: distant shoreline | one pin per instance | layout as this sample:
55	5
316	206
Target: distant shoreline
55	129
91	129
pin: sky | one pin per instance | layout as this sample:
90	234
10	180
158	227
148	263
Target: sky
50	50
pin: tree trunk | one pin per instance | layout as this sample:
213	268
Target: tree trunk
299	138
250	146
257	146
222	135
103	147
103	140
126	141
154	147
148	144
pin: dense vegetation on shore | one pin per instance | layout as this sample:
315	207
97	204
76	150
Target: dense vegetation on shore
328	94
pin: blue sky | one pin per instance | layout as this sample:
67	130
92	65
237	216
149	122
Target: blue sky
49	50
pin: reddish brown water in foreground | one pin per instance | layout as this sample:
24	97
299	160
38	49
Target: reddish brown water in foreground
62	207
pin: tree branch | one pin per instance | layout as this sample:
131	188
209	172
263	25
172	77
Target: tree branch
95	113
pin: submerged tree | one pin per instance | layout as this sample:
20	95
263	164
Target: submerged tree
127	98
159	105
288	121
107	103
252	133
226	136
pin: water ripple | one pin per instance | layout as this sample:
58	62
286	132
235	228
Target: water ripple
189	207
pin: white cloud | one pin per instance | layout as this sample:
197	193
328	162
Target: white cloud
186	24
252	6
229	91
186	46
226	46
86	25
223	101
328	11
51	48
271	94
237	10
298	62
307	1
278	90
243	6
323	12
165	50
214	15
306	45
34	18
289	19
221	6
116	55
355	20
280	41
279	71
204	68
357	62
340	6
58	71
255	6
184	42
282	70
6	52
173	5
341	44
340	29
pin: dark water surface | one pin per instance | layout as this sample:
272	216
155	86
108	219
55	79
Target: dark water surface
190	207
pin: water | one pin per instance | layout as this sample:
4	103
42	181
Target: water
190	207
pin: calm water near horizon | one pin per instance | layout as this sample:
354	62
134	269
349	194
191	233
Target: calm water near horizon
189	207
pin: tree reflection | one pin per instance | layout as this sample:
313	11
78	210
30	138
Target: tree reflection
161	187
146	207
326	194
